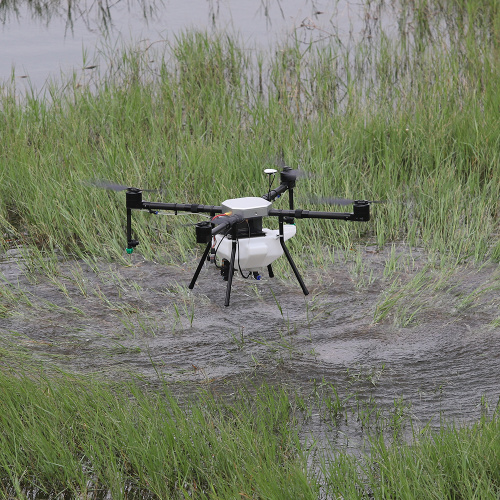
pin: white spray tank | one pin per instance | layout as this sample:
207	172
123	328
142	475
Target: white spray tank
262	246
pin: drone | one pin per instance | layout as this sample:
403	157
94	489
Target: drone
235	231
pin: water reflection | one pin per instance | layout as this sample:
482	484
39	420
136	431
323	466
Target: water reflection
95	14
42	39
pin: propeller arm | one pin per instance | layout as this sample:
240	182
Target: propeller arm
225	221
288	176
275	193
134	201
361	212
194	208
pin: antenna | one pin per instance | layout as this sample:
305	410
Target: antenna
271	173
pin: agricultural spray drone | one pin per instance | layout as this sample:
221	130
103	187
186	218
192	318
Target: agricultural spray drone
234	232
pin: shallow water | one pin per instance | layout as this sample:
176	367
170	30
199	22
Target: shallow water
37	45
117	321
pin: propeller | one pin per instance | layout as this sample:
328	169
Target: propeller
339	201
104	184
288	173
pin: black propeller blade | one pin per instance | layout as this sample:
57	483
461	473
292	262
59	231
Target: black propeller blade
289	173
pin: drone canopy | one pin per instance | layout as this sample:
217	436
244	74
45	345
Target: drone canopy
248	207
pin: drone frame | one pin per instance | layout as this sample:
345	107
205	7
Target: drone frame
229	222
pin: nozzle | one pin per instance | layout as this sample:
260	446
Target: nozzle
131	244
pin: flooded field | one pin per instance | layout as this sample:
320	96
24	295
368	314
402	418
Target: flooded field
427	337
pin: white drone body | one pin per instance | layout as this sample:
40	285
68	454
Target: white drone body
256	252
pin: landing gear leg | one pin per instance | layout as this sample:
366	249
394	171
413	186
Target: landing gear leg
200	265
231	267
270	271
290	260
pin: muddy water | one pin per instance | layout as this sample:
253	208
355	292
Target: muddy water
438	348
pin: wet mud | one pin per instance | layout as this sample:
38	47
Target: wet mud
413	332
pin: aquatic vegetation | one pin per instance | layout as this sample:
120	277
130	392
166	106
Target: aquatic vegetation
408	115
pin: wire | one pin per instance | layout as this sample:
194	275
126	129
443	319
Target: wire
271	181
214	240
215	253
238	240
178	215
239	267
220	215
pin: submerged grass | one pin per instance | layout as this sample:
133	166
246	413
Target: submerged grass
411	117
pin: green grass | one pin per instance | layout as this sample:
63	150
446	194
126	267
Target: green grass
411	118
63	435
454	463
